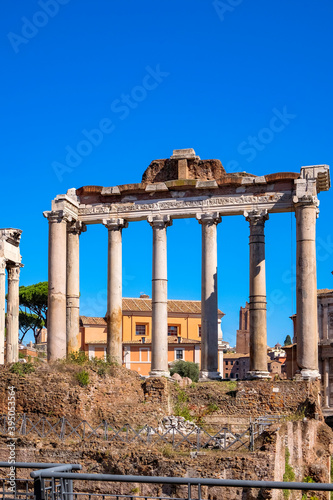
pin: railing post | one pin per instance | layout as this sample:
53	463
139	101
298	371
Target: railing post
39	493
62	430
105	430
198	438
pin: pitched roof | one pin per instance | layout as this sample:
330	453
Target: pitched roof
144	305
174	306
325	291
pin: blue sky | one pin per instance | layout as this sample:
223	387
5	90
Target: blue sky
225	69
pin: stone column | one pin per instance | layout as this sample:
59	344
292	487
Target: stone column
159	343
74	230
306	290
257	302
209	313
56	313
2	309
326	363
13	313
114	290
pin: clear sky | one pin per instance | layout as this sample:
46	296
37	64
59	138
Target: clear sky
219	72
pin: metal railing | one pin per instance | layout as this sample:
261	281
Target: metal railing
57	482
197	438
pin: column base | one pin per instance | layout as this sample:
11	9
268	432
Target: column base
159	373
258	375
206	375
310	374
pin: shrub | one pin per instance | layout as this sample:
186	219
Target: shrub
186	369
83	378
22	368
77	357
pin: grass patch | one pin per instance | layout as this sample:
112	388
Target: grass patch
289	474
83	378
22	369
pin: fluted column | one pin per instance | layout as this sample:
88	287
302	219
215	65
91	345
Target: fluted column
114	289
13	313
257	302
56	313
74	230
159	348
2	309
306	291
209	312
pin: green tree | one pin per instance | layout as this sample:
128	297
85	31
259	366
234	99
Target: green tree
186	369
287	340
27	322
33	308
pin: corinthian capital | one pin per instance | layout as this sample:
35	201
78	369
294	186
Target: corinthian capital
3	263
76	227
209	218
14	272
115	224
58	216
256	217
159	221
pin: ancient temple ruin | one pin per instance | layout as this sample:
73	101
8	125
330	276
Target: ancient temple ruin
175	188
10	259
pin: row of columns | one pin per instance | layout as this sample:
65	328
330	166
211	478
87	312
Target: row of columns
12	323
63	315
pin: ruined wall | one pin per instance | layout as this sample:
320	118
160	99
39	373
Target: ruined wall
309	443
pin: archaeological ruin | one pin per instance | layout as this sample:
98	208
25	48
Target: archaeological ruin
10	259
184	186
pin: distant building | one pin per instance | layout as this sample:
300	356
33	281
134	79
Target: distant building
243	334
184	333
325	346
235	365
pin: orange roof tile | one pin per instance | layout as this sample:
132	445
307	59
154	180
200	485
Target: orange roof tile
144	305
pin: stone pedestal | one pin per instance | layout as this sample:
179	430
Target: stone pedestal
56	314
114	290
13	313
306	291
257	302
2	309
159	349
209	313
74	230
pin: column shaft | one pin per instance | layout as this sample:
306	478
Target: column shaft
56	314
306	291
114	290
326	363
159	349
73	287
257	302
13	314
209	313
2	309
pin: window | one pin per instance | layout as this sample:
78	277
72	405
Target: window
227	375
179	353
227	362
232	363
172	330
237	363
199	331
140	329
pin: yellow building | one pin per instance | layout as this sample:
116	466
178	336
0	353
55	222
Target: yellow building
184	333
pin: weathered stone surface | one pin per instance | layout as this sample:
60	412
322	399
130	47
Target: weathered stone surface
167	170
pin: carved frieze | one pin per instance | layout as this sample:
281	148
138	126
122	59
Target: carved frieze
216	201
